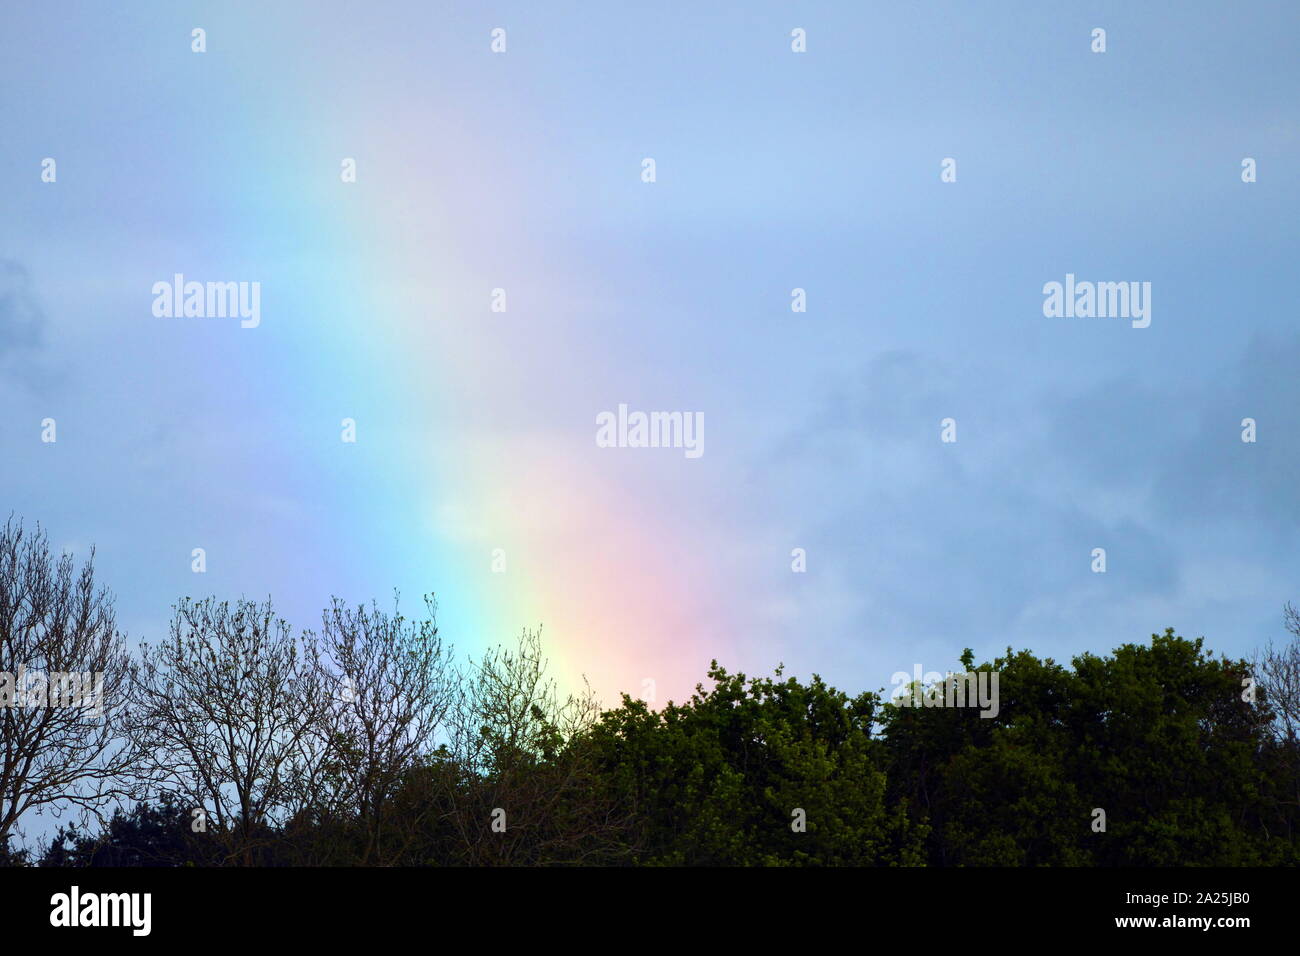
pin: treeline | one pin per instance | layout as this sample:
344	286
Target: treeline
238	741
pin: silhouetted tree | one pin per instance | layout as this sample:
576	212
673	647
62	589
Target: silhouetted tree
1277	672
64	687
231	718
158	834
523	778
392	685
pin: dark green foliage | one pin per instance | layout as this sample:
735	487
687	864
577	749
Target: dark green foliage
718	780
11	857
1157	735
150	835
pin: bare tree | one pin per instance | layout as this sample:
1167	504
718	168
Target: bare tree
392	685
64	684
230	717
1278	673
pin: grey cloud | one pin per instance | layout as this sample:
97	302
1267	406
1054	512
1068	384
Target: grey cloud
22	323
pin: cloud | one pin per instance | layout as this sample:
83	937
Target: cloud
1215	474
989	541
22	323
1168	448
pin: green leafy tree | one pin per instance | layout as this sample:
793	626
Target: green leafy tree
724	778
1157	736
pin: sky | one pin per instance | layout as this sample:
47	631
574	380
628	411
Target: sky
774	170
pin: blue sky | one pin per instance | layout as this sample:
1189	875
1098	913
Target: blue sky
776	170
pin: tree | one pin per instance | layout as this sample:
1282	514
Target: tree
64	687
1277	672
756	772
521	775
231	718
1157	736
392	686
157	834
12	857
